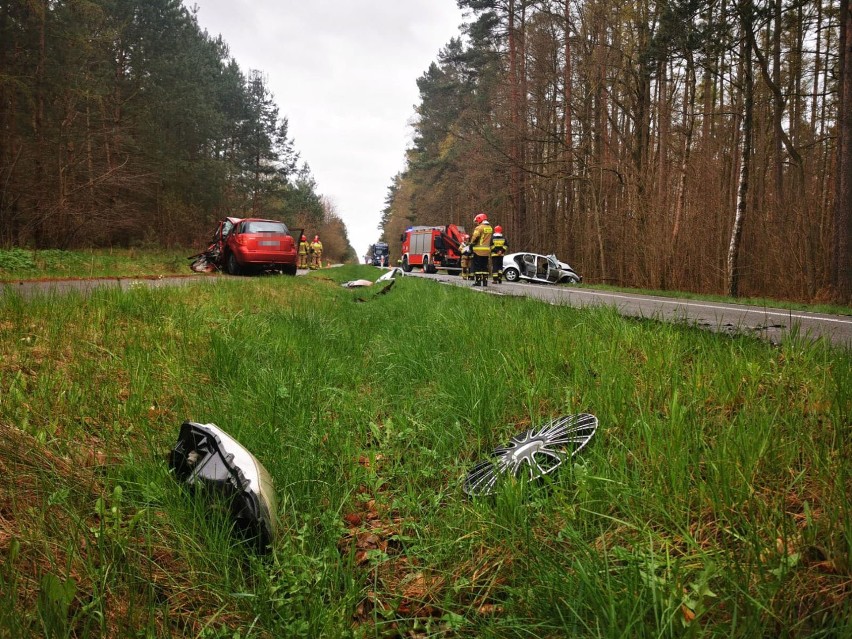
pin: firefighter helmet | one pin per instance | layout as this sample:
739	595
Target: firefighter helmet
479	219
466	237
498	229
316	238
304	239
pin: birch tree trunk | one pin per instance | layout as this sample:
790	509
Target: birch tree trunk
841	264
569	133
745	155
777	115
688	127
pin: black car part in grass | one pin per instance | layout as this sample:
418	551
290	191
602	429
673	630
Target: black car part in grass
537	452
206	261
206	455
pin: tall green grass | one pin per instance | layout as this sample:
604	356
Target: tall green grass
26	264
714	500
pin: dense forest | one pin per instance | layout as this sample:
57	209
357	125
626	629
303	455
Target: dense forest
122	122
701	145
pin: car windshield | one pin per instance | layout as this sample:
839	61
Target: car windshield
265	227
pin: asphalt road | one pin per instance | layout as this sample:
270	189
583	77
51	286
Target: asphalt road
28	288
773	324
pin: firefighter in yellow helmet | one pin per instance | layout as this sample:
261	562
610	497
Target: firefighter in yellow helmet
304	249
481	243
316	253
498	250
466	253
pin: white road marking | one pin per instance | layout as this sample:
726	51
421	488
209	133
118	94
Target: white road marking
729	308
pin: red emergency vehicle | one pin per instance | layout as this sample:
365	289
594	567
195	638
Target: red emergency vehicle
432	248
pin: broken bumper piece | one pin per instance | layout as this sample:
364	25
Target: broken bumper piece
206	455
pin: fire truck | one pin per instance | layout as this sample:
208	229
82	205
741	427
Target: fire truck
432	248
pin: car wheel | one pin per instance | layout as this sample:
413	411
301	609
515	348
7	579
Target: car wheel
233	266
429	267
405	265
289	269
511	274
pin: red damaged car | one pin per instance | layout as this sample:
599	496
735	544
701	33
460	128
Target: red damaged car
250	244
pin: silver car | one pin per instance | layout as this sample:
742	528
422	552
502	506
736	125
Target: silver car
538	268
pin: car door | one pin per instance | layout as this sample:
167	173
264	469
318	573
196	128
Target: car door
529	266
222	232
227	226
228	237
541	268
553	271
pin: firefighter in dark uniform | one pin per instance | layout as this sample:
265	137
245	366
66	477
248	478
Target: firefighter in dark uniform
304	249
481	243
498	250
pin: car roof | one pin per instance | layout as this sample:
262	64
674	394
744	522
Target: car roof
259	219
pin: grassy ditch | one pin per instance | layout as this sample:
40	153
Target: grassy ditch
832	309
714	501
25	264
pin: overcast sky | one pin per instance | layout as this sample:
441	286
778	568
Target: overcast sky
344	73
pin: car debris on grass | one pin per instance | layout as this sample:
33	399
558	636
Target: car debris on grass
532	454
205	455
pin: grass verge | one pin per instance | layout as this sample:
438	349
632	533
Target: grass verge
714	501
832	309
24	264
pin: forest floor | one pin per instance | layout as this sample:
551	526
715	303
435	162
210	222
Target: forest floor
714	499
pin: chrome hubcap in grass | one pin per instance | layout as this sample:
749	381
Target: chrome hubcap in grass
534	453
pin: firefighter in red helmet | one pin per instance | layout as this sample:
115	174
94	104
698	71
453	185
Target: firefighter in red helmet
316	253
498	250
304	249
481	243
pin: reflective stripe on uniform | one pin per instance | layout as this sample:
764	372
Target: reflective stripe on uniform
481	240
498	245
